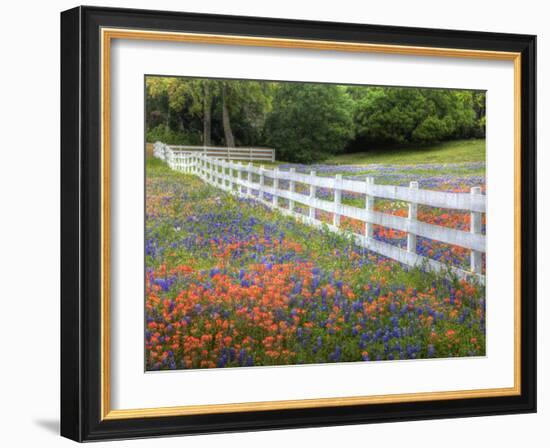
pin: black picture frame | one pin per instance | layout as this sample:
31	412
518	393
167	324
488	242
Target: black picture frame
81	224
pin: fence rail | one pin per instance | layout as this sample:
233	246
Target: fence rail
238	178
222	152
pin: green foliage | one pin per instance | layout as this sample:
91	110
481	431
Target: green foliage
171	109
164	133
404	115
249	103
309	121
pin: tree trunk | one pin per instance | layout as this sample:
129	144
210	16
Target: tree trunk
229	139
207	116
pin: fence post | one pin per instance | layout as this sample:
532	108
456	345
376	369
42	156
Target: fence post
262	180
413	210
239	178
213	175
369	206
312	194
475	227
223	178
275	186
249	179
337	199
291	187
230	166
211	170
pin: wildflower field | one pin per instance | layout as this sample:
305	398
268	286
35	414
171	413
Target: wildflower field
232	283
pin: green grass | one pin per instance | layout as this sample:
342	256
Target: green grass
457	151
157	166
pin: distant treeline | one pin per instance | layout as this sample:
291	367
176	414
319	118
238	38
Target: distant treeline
307	122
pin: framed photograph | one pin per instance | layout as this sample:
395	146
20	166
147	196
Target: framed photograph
276	224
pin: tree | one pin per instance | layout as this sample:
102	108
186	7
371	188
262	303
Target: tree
389	115
309	121
244	107
227	132
304	121
207	114
157	105
404	115
185	105
478	100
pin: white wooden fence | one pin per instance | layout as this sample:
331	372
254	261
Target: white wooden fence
222	152
238	178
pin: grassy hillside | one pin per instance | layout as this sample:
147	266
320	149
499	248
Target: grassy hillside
456	151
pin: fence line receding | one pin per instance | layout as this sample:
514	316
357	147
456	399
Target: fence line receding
223	152
249	180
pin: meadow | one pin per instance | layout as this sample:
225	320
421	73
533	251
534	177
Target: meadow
232	283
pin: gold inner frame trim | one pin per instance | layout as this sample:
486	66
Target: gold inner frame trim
107	35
